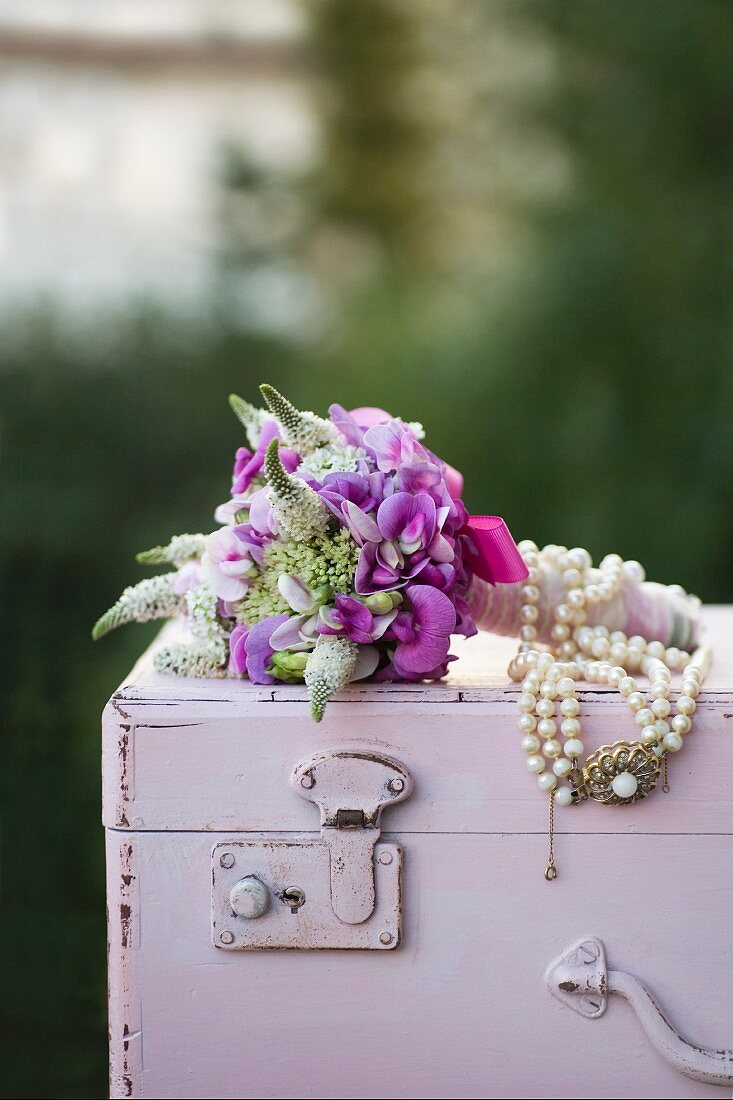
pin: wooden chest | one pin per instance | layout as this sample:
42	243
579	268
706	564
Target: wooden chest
255	953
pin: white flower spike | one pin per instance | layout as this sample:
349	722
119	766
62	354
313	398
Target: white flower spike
299	511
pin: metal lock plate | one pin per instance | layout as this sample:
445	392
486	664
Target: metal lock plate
300	864
342	891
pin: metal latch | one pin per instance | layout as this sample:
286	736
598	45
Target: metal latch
342	891
350	790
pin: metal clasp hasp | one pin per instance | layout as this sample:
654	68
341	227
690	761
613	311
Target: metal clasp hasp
350	789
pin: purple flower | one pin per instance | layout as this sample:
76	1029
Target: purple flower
408	521
464	620
422	632
440	575
394	443
258	651
353	425
353	497
261	515
248	466
254	541
389	674
337	489
401	542
351	618
237	654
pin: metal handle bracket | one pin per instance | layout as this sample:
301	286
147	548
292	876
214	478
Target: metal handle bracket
580	978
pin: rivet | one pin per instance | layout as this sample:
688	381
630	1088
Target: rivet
385	937
385	857
307	781
227	937
226	860
396	786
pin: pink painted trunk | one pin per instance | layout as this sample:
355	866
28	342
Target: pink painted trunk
454	1003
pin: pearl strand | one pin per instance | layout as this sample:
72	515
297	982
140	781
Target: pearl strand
581	652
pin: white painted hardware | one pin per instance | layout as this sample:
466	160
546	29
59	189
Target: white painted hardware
342	891
580	978
350	790
249	898
295	874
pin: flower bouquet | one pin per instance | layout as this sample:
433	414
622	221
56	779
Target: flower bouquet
344	552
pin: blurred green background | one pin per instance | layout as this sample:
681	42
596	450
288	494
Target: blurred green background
509	220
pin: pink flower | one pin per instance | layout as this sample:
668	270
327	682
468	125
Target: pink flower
394	443
248	466
225	564
352	425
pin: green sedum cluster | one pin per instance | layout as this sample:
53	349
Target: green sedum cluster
324	561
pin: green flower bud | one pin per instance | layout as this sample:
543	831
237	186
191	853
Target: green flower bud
290	662
379	603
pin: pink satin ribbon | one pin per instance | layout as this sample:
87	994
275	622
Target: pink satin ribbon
495	558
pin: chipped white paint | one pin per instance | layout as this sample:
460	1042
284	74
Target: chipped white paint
581	979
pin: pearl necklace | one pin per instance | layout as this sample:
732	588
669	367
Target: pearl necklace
624	772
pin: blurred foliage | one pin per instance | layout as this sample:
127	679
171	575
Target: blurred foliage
584	388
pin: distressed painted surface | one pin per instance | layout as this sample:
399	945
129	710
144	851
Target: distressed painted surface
460	1009
209	755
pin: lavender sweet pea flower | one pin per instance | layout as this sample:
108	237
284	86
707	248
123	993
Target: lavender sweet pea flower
351	618
440	575
352	425
261	516
423	632
338	489
258	650
248	466
254	541
394	443
464	620
237	653
300	631
429	477
226	513
408	529
408	521
389	674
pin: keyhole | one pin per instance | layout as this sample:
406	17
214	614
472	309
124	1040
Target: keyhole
294	897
